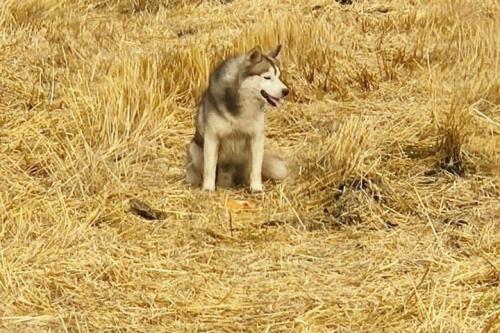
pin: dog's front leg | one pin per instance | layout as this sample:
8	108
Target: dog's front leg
210	156
257	148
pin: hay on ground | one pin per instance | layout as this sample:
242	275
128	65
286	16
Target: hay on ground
389	221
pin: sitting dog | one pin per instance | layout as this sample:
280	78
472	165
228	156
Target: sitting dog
228	145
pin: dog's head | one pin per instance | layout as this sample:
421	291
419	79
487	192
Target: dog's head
262	76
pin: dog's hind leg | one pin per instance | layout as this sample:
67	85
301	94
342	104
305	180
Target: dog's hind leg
194	168
273	167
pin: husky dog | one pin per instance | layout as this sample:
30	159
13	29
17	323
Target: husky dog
228	145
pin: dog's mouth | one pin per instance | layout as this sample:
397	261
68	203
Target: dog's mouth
274	101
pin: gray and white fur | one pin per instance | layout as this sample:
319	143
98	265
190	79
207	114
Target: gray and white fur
228	145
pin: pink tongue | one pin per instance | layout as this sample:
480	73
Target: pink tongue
276	101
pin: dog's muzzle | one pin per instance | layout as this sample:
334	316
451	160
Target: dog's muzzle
274	101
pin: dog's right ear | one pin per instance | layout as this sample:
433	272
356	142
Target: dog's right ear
274	53
255	55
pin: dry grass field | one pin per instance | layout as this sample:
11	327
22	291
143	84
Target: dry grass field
389	221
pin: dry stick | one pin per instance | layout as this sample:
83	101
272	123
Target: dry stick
228	211
428	217
230	223
294	211
485	117
415	289
63	324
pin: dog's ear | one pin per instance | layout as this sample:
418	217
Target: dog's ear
255	55
274	53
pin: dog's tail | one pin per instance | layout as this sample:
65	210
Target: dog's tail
273	167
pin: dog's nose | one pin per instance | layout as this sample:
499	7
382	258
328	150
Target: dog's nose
285	91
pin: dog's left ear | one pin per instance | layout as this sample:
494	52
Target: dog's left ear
274	53
255	55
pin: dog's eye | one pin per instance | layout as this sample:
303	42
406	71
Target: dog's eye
267	77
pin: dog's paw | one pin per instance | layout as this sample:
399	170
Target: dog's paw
208	187
256	188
